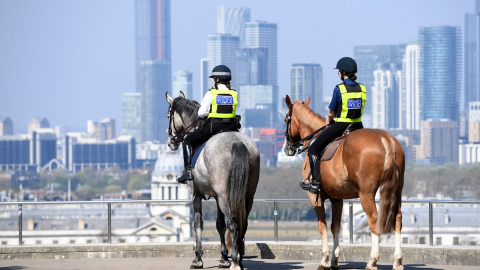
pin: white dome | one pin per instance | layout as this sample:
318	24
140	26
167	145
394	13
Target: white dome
168	161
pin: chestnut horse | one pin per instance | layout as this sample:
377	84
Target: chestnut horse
368	159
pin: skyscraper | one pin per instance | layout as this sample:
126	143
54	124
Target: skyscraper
232	21
132	115
264	35
152	32
385	97
472	57
222	50
182	81
440	71
306	81
252	66
410	88
256	105
153	64
156	78
204	80
368	58
6	126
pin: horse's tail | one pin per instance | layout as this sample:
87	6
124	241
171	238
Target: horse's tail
390	187
237	184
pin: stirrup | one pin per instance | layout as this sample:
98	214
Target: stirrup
314	189
304	185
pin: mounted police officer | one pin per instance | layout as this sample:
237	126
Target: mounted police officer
346	107
219	108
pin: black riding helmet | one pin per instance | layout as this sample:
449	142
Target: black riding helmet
221	72
347	64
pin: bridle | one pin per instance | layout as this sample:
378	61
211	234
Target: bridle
291	144
178	136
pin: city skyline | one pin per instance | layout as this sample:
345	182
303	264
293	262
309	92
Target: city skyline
75	67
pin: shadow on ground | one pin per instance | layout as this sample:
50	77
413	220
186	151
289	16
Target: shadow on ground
361	265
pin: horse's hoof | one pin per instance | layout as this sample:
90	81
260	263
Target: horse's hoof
398	267
371	267
321	267
196	265
224	264
236	267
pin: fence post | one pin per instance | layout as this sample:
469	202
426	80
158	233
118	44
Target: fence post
275	216
350	213
20	214
109	223
430	222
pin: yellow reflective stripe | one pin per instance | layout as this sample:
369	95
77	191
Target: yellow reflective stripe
215	92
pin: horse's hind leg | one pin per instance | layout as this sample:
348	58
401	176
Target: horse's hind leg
337	208
233	227
221	228
368	204
198	224
397	264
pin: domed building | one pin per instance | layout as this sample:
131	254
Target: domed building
165	187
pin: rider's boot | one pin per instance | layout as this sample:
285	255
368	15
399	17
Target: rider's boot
307	186
187	161
316	177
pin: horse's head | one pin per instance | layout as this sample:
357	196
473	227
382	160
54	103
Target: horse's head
176	123
292	132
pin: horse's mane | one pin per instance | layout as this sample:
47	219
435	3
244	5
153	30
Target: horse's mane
308	117
187	107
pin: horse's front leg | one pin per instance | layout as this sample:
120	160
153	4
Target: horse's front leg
221	228
198	226
322	227
337	207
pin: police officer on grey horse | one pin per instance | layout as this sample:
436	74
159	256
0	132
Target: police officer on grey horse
219	108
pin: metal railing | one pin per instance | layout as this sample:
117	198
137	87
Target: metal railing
274	201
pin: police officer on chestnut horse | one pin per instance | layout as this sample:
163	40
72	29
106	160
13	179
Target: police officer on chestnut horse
346	106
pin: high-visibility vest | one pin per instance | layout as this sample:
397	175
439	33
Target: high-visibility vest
353	102
224	103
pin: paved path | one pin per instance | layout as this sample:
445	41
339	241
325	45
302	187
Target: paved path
184	263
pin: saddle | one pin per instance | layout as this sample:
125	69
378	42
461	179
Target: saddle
332	147
198	149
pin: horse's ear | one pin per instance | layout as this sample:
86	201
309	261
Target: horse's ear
288	101
307	102
182	94
169	98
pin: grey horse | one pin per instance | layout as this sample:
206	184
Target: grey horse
228	170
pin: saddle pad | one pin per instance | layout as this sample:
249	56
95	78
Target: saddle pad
197	154
331	149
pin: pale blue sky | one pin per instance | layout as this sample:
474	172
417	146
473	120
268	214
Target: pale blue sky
69	61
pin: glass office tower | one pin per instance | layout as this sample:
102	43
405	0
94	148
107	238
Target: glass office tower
440	71
472	57
305	82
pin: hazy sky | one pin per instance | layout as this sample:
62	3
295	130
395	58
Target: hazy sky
69	61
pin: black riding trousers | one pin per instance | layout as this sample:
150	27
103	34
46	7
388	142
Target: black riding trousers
325	137
202	134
